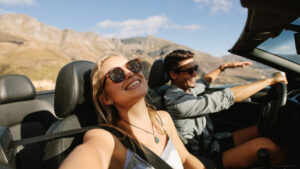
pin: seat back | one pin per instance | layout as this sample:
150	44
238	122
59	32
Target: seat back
25	115
158	83
73	103
158	75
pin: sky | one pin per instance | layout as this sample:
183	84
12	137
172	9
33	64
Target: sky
210	26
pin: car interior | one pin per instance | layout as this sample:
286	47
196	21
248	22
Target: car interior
26	113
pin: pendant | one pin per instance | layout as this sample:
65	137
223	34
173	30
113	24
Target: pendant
156	139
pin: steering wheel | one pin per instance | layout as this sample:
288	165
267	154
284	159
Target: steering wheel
268	117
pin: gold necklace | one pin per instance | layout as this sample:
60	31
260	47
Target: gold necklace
155	138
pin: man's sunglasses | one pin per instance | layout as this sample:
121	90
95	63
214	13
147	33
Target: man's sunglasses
117	74
190	71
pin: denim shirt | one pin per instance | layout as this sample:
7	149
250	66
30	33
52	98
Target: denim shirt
188	110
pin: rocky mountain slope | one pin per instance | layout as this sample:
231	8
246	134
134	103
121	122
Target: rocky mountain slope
30	47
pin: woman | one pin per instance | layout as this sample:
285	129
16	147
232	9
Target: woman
119	89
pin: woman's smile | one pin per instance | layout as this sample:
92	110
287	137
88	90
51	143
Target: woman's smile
133	85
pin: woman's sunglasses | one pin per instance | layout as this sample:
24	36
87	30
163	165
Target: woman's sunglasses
190	71
117	74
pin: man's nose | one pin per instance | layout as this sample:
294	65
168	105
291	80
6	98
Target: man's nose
194	73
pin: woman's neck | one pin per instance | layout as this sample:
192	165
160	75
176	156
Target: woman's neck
136	114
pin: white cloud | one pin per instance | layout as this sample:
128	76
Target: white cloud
215	5
202	1
105	24
172	26
3	11
220	5
283	49
135	27
17	2
193	27
197	1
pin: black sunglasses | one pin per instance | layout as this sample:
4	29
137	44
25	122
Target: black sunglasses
117	74
190	71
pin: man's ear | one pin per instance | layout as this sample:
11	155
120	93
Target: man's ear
173	75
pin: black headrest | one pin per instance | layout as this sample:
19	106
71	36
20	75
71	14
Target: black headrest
73	88
158	75
16	88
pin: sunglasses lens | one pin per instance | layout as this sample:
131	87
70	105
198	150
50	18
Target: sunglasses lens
193	69
196	68
117	75
134	66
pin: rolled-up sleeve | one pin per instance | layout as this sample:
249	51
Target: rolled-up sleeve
200	87
189	105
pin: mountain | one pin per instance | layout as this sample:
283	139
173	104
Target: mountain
30	47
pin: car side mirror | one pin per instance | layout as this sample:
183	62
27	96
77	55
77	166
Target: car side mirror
297	42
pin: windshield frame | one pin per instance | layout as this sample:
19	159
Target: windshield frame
283	45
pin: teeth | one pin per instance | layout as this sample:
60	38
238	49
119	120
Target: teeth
133	84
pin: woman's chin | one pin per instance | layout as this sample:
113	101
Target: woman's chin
138	93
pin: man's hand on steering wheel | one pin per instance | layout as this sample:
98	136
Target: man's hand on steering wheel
276	98
279	77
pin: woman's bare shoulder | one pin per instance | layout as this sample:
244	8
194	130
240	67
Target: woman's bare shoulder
165	117
168	122
97	131
99	135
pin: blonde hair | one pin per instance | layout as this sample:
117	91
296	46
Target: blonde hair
108	114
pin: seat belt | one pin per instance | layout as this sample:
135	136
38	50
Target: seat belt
53	136
148	155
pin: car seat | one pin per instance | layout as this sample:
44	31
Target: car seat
26	115
72	103
158	83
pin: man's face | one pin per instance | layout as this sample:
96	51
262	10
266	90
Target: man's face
185	76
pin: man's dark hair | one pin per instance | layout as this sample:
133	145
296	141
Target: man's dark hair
172	59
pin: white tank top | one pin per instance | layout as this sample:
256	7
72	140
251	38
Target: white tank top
169	155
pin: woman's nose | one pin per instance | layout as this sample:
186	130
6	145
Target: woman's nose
127	72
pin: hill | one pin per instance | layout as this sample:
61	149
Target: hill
37	50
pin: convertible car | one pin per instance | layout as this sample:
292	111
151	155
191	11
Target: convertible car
39	129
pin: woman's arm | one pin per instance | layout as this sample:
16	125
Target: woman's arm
188	160
95	152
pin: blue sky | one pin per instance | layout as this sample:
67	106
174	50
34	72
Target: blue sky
210	26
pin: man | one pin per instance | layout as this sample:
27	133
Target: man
190	111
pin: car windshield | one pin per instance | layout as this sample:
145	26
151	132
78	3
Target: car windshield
283	45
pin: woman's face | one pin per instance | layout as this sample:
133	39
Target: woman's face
127	92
